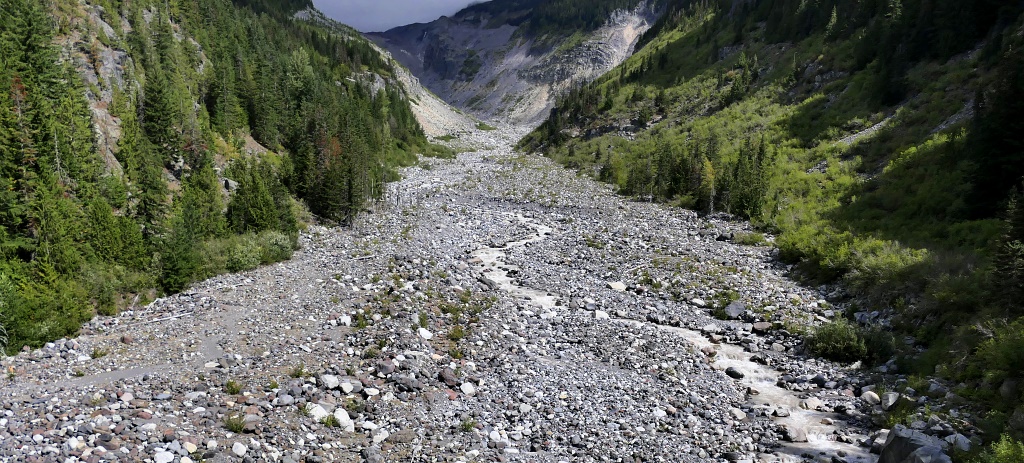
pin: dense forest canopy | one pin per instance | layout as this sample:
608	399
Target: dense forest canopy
233	120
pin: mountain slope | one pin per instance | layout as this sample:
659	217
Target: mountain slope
147	144
509	59
879	141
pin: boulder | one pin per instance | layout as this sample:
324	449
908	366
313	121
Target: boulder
793	434
735	310
889	400
330	381
810	404
909	446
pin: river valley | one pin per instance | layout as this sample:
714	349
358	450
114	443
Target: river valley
495	307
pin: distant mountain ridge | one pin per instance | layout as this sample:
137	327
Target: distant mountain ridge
509	59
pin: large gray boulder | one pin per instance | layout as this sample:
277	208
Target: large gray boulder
909	446
735	310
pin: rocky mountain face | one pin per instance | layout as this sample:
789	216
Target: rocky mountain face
500	71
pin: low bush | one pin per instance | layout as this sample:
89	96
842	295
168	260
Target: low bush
1002	355
232	387
749	239
457	333
235	423
1006	450
838	340
244	255
275	246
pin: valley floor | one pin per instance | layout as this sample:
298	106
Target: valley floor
492	308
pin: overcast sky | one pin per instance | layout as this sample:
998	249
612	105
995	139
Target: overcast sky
381	15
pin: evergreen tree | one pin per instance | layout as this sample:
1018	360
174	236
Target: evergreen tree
1009	276
996	142
159	118
252	207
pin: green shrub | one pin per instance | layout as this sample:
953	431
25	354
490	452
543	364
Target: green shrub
884	269
355	406
838	340
244	255
298	371
723	299
433	150
275	246
232	387
235	423
1002	355
457	333
1006	450
749	239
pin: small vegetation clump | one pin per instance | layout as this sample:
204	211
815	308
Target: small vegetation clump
232	387
749	239
235	423
838	340
298	371
330	421
457	333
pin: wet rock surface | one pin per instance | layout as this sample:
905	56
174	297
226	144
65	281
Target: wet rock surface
492	308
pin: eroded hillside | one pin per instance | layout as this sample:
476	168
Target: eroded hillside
494	66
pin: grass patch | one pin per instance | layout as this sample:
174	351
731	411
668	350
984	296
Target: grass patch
484	126
457	333
434	150
234	423
232	387
750	239
299	371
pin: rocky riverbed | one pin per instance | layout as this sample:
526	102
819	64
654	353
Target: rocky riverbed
491	308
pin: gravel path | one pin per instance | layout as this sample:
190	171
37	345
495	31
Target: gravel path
493	308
